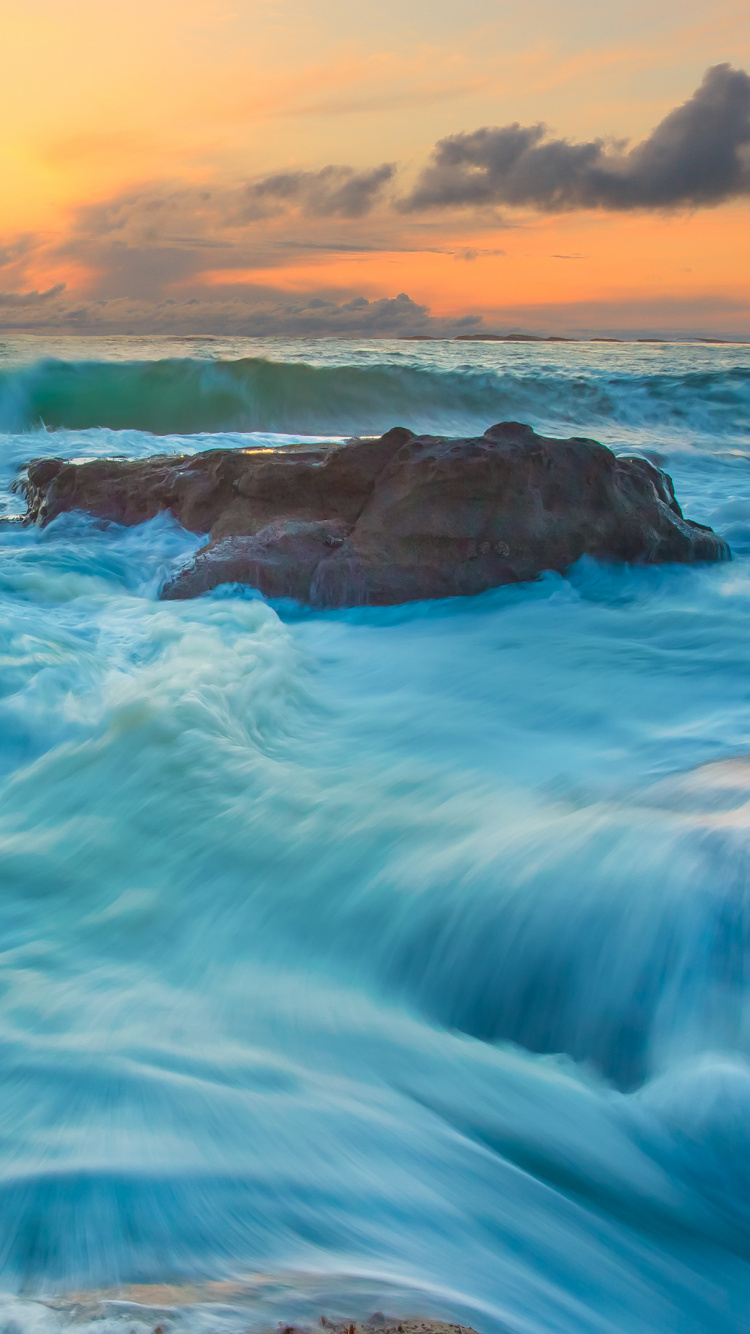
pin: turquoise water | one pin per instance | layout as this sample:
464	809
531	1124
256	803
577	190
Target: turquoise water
404	954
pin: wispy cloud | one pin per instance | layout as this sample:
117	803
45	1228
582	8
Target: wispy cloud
470	253
333	191
25	299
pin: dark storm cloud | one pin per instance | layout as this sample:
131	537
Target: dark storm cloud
698	155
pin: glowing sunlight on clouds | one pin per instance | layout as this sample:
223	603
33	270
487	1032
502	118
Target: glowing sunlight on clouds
198	165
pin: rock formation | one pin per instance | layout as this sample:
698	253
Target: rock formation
391	519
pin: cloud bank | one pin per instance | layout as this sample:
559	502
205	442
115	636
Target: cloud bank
699	155
231	257
263	312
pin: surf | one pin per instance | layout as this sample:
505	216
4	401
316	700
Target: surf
186	396
383	959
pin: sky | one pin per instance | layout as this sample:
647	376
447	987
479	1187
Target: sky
378	168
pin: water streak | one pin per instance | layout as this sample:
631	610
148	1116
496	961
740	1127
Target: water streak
401	956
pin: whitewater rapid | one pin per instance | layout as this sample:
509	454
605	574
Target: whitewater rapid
400	955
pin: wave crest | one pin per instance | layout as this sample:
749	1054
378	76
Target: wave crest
186	396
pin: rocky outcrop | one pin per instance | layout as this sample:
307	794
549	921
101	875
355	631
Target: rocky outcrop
154	1305
392	519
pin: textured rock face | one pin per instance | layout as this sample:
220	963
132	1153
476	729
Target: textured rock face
389	520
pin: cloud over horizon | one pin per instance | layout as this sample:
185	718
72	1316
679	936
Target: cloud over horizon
323	250
251	311
271	313
698	155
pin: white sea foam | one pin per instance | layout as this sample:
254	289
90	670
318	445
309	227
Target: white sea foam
399	954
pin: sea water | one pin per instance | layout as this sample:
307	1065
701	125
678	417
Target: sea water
389	958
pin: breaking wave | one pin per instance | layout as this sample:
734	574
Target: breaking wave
186	396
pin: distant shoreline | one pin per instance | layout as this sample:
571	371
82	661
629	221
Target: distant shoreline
560	338
32	336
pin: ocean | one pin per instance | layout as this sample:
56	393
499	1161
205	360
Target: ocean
390	958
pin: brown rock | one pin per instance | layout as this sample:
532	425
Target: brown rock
389	520
161	1301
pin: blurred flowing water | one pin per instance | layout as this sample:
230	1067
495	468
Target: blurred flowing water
390	958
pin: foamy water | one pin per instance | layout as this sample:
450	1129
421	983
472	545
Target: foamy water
401	955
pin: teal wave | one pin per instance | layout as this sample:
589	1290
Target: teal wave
186	396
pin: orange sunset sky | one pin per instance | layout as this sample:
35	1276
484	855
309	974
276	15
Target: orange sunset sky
270	166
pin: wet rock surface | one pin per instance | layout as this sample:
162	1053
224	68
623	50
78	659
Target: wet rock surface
392	519
161	1308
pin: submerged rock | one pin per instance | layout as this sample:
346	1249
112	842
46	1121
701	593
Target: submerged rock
392	519
154	1305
